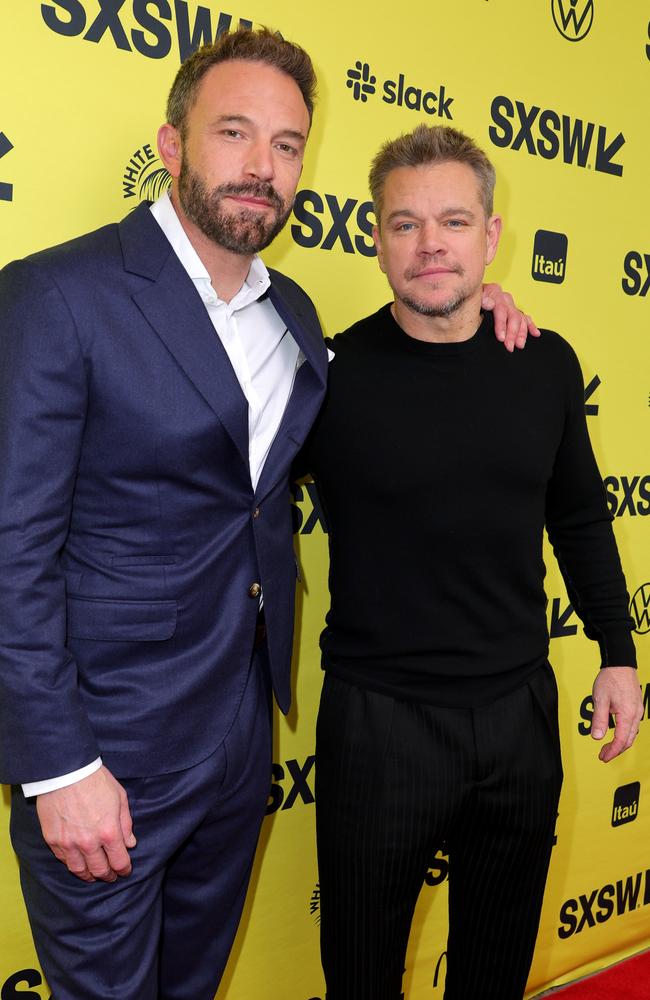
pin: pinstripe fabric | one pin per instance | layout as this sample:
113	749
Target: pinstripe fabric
395	782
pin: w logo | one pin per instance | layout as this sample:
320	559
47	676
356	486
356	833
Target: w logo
640	609
573	18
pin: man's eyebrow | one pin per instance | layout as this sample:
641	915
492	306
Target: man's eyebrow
457	211
400	213
409	213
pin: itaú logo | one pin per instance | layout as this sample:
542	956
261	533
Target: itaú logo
573	18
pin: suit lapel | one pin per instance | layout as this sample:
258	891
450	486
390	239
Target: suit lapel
306	396
173	307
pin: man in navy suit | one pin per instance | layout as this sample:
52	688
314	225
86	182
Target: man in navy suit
156	382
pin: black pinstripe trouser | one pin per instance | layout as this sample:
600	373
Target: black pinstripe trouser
397	781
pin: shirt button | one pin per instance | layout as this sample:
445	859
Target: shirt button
254	590
256	512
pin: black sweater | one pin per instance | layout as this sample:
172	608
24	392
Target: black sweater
438	466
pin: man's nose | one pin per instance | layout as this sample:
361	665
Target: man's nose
432	239
259	162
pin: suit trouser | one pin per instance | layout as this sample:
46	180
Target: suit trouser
165	931
396	782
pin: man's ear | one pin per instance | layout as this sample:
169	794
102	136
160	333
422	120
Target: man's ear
376	235
170	148
493	233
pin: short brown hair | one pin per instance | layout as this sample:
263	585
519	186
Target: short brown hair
431	144
260	45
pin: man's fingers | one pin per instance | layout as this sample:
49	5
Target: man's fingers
118	858
126	823
625	734
522	333
76	864
599	722
99	866
533	330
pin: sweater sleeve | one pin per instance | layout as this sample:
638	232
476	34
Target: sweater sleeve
579	527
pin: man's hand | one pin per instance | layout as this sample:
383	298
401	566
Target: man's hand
510	324
88	827
616	692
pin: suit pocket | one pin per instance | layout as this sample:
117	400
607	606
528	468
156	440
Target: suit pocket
121	621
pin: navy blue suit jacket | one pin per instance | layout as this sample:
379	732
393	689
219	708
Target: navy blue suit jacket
127	538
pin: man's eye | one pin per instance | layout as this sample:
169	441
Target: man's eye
455	223
284	147
405	227
232	133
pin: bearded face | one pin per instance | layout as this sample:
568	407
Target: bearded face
222	216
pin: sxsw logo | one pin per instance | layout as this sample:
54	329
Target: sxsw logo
628	495
626	803
637	270
438	871
640	609
595	907
546	133
327	221
296	774
363	84
6	190
573	18
549	256
12	988
141	29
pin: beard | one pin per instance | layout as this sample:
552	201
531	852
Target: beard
444	309
246	232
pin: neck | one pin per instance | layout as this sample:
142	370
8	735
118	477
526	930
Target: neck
227	270
461	325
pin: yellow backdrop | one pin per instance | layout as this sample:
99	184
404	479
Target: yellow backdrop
556	91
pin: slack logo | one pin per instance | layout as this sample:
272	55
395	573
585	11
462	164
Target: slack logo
626	803
549	256
361	81
363	84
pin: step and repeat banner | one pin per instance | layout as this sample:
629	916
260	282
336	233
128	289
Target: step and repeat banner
556	92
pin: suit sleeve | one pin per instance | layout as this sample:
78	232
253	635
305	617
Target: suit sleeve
44	730
580	530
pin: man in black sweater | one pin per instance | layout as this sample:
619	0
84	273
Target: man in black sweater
439	459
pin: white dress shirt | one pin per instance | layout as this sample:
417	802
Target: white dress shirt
263	354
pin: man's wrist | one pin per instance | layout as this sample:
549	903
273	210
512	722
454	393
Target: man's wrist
31	788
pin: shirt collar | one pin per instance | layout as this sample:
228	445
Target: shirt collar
255	284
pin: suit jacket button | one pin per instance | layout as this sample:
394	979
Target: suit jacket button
256	512
254	590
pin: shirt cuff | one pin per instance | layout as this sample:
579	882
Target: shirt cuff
51	784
